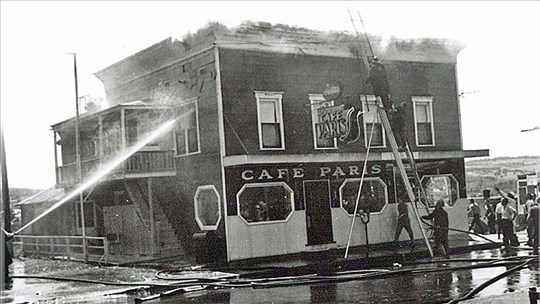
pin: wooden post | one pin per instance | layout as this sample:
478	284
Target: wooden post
151	212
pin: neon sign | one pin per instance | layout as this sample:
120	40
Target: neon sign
334	122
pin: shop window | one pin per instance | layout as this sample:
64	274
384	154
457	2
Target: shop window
443	187
270	120
372	121
187	131
268	202
317	101
207	210
423	119
373	196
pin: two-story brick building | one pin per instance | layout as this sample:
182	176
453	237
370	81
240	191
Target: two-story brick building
250	163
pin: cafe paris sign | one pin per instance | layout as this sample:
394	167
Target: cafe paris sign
334	122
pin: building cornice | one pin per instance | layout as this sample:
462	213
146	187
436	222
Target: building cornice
238	160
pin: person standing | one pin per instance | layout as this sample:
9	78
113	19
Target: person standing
534	215
474	212
403	221
398	125
7	260
490	216
440	223
506	215
379	81
528	204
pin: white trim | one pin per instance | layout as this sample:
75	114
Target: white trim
317	101
278	96
201	225
370	100
235	160
429	101
365	179
219	99
189	102
262	185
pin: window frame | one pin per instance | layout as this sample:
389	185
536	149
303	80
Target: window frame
196	208
385	186
262	185
317	101
424	100
451	176
194	102
278	103
371	100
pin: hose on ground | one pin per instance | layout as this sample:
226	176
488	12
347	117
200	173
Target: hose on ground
489	282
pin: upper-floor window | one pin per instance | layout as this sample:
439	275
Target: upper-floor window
372	123
270	120
317	101
187	130
423	121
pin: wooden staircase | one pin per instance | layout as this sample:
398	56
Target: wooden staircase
165	240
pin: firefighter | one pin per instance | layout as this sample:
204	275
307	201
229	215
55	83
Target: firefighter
440	223
379	81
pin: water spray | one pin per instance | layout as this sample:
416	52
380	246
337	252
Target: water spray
121	157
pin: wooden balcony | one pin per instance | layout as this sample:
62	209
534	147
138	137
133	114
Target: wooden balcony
140	164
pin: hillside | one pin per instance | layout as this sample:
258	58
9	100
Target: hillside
500	171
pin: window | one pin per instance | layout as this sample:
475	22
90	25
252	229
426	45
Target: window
372	122
207	211
423	119
265	202
317	101
270	120
373	196
187	131
443	186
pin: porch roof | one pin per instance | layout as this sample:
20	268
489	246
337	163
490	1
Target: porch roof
52	194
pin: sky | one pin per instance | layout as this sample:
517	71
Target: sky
499	69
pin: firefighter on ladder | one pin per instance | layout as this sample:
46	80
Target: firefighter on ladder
379	81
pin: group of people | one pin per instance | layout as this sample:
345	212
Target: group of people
439	216
503	216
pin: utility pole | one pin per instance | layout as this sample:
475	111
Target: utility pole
6	208
78	152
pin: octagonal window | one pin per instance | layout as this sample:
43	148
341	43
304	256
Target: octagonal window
207	211
373	196
443	187
267	202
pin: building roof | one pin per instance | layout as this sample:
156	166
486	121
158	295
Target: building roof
279	38
52	194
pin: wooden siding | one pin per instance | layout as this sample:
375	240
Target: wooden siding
244	72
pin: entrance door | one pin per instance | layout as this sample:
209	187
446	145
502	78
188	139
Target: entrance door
318	213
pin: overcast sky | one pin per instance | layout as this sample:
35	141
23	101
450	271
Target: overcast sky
500	63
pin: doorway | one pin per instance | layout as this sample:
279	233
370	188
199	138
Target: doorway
318	212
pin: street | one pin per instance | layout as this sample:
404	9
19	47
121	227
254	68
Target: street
423	281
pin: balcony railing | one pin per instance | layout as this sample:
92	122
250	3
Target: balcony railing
142	162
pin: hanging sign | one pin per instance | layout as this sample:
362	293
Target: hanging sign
331	91
334	122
